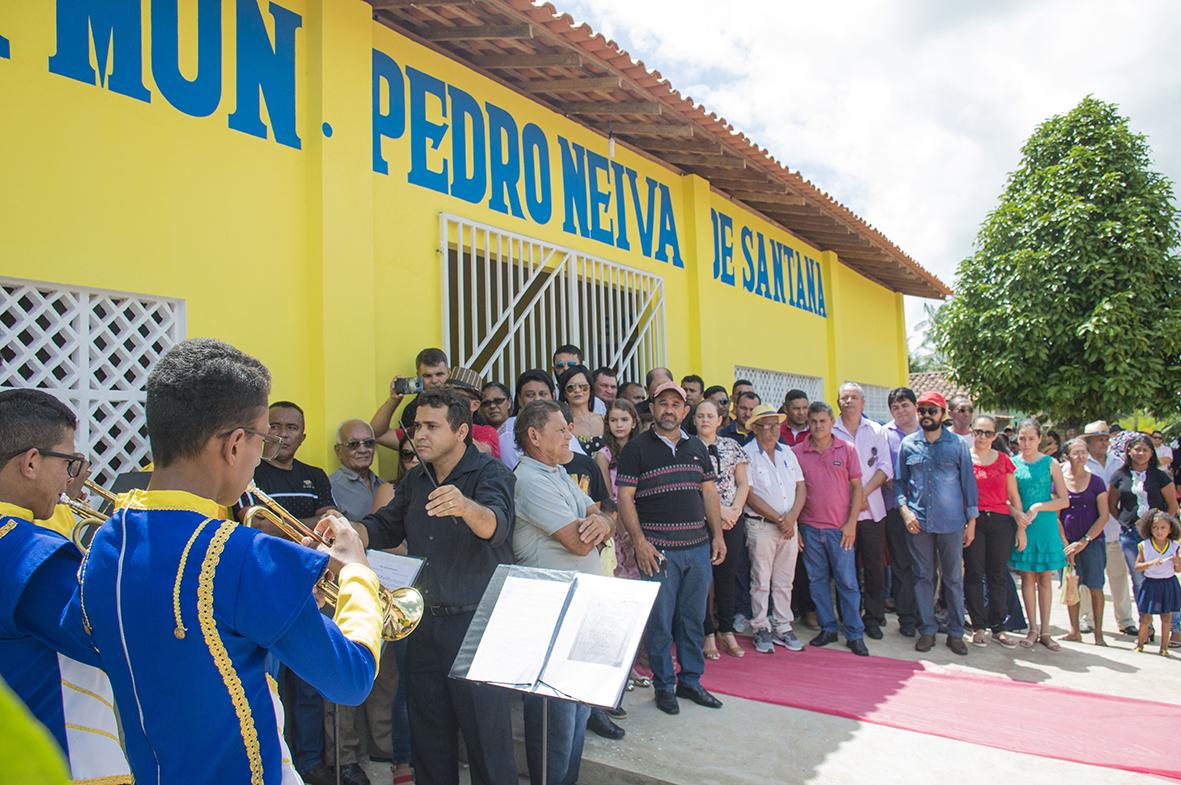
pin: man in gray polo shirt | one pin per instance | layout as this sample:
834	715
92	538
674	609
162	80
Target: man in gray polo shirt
557	527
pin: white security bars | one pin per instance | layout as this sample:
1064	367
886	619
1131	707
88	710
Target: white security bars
773	385
876	407
510	300
92	349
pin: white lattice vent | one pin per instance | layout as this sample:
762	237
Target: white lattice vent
510	300
773	385
92	349
876	407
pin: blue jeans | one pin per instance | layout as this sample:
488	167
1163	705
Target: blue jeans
679	615
401	718
826	560
567	731
948	550
304	707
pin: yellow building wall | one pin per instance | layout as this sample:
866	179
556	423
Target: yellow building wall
309	259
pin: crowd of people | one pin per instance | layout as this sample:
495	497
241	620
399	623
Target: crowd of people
755	517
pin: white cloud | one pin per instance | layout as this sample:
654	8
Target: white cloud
911	114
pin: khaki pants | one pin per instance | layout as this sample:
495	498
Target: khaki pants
772	571
1118	581
368	727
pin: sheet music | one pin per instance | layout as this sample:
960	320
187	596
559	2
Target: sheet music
394	571
516	640
604	622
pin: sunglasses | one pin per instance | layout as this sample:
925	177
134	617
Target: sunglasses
355	444
577	387
494	401
407	455
964	410
567	364
724	402
928	411
983	434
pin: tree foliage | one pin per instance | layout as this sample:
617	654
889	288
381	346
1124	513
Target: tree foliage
1070	303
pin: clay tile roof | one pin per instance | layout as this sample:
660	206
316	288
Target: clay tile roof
935	381
565	65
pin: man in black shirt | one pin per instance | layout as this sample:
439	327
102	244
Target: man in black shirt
455	509
306	493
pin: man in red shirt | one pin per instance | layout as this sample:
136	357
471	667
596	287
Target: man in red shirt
832	480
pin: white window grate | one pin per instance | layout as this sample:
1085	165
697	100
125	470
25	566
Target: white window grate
510	300
92	349
876	407
773	385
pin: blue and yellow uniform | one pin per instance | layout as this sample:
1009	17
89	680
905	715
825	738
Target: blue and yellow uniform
184	608
47	660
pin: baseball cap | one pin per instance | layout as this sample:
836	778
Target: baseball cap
666	387
932	397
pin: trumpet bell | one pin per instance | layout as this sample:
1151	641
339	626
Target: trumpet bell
402	610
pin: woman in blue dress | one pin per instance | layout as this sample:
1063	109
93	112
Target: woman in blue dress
1043	492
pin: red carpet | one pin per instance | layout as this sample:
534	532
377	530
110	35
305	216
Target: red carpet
1084	727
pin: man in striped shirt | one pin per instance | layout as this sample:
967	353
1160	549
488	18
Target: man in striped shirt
668	500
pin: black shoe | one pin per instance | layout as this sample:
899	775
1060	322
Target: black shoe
924	643
699	696
618	713
666	701
601	725
320	774
873	631
858	647
824	638
1130	630
1085	629
957	645
353	774
907	632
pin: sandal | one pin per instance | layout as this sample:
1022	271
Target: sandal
978	639
1099	641
1073	637
1049	643
640	680
730	645
1030	639
1004	640
710	648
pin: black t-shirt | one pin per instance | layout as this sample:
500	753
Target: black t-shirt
586	473
301	490
458	563
1128	505
668	497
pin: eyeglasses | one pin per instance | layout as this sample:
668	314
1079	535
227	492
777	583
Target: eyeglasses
73	462
925	411
494	401
577	388
983	434
766	425
408	455
352	445
271	444
964	409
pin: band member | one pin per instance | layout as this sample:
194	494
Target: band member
50	665
185	606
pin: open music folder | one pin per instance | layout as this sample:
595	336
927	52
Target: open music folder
566	635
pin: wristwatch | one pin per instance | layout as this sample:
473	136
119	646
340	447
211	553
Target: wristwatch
1086	539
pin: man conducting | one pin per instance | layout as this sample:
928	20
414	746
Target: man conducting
557	527
186	608
454	509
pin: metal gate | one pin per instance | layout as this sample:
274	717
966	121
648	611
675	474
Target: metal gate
510	300
92	349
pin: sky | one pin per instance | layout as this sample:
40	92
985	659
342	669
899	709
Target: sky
912	113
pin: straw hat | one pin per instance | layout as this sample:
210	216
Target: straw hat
761	411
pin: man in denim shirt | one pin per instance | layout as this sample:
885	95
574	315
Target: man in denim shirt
936	493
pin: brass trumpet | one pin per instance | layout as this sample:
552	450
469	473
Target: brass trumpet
401	608
89	518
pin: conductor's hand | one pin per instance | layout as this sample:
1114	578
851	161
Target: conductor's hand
446	500
346	543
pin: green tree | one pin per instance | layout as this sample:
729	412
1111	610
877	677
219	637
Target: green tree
927	356
1070	303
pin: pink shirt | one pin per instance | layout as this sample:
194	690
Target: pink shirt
826	482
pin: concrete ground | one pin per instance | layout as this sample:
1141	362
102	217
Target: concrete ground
761	743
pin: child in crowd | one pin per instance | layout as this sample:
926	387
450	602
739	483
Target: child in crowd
622	424
1159	559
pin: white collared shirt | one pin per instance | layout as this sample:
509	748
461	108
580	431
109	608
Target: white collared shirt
773	481
873	448
1104	471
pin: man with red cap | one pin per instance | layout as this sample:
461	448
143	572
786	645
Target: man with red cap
936	494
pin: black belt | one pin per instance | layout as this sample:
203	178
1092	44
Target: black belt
451	610
750	517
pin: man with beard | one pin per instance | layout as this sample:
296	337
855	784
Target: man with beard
668	500
936	494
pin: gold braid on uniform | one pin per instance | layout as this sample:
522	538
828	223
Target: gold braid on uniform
217	649
180	630
6	528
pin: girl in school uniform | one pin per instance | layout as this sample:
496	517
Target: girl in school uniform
1159	559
